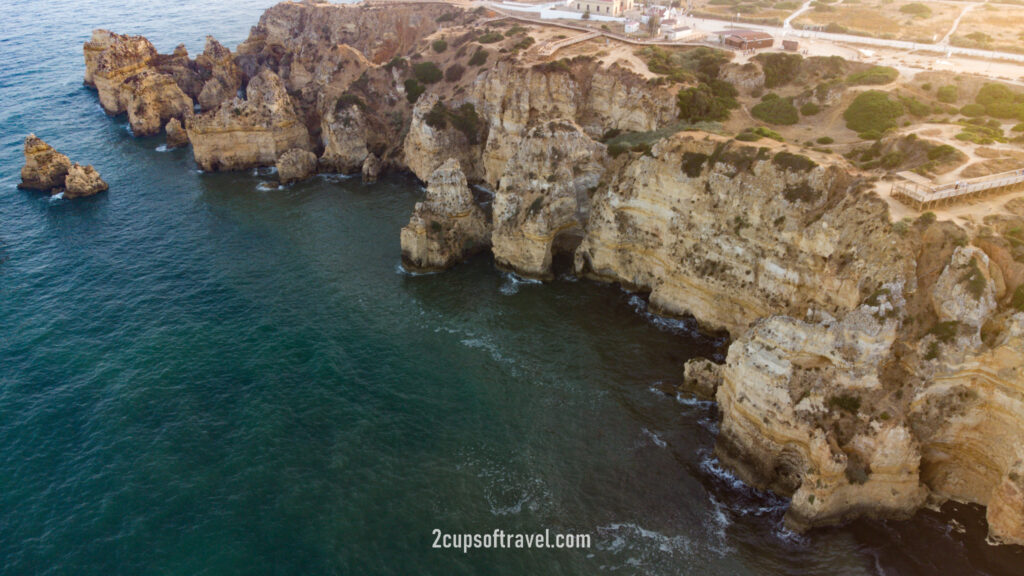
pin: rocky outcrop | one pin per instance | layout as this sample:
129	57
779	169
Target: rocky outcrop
248	133
543	199
45	168
83	181
702	377
295	165
225	76
371	169
124	71
344	134
447	227
732	233
177	137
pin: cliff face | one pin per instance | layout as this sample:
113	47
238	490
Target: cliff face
732	233
123	69
45	168
251	132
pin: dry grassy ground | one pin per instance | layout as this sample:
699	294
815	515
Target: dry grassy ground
994	27
877	18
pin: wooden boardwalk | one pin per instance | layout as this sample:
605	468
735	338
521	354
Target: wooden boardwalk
920	194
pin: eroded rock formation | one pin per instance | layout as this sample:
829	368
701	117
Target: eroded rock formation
45	168
295	165
248	133
447	226
83	181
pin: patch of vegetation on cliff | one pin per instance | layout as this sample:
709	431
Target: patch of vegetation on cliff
1000	102
872	113
427	72
755	133
348	100
693	163
439	45
776	110
876	75
490	37
686	65
779	68
464	119
847	402
945	332
1018	298
979	131
916	9
975	280
413	90
707	102
479	57
947	94
794	162
454	72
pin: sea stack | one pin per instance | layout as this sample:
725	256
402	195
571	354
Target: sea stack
448	226
45	168
50	171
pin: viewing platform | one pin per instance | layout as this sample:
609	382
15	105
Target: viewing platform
921	193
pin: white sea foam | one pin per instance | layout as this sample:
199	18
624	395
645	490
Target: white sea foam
268	186
162	148
655	438
634	538
513	281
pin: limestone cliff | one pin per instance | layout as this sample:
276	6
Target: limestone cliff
543	199
251	132
83	181
124	71
447	226
225	76
732	233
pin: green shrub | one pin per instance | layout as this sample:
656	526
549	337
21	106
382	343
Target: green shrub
825	140
975	280
916	9
927	86
439	45
776	111
1018	298
490	37
524	43
396	62
947	94
413	90
873	76
973	110
700	103
872	112
614	150
447	17
941	152
779	68
479	57
466	120
1018	127
915	107
437	117
810	109
454	72
847	402
427	72
794	162
945	331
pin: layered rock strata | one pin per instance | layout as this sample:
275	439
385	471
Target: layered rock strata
45	169
447	226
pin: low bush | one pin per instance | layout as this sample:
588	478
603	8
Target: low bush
490	37
872	113
947	94
413	90
454	72
479	57
876	75
825	140
776	111
427	72
439	45
810	109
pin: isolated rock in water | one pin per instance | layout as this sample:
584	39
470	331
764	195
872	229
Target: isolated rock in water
83	181
225	75
371	169
248	133
448	226
45	168
176	135
702	377
296	164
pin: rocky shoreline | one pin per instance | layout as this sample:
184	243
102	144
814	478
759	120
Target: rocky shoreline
874	368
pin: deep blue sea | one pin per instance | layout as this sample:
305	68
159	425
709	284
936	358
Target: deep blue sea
207	374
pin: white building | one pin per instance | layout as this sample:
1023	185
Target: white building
602	7
632	27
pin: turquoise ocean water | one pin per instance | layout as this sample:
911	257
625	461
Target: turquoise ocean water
204	374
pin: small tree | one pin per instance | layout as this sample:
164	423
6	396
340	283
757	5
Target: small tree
586	15
653	24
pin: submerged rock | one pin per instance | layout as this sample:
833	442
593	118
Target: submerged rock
295	165
83	181
45	168
448	226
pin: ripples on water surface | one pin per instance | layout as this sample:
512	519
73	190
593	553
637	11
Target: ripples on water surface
208	374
